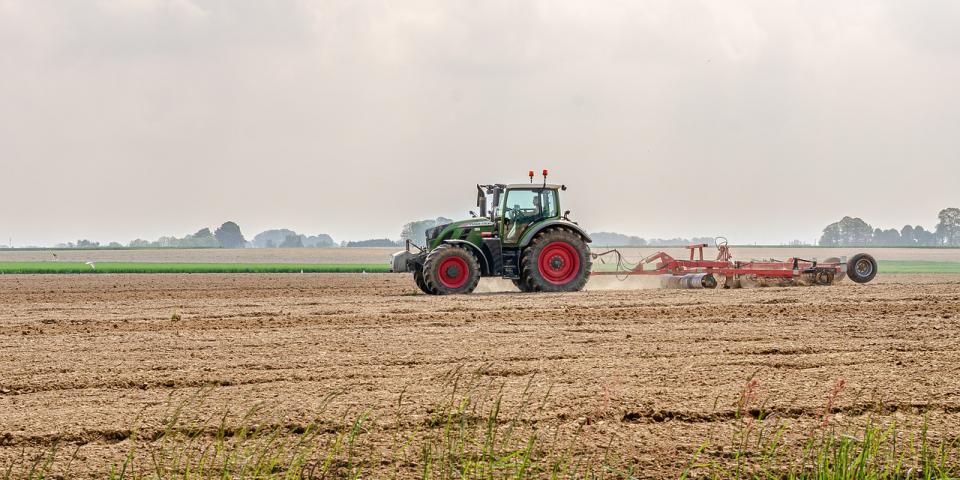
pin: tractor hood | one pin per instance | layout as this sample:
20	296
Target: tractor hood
469	223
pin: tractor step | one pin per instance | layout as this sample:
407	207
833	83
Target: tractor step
511	263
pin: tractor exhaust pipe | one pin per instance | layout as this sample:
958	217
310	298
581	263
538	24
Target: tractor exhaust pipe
688	281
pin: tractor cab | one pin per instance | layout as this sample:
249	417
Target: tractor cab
515	208
518	234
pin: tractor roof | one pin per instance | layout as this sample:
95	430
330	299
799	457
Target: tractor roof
527	186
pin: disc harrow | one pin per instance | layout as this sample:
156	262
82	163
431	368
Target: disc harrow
697	272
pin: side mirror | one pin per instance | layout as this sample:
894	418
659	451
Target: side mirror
473	214
566	214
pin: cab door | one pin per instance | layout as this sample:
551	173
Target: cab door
523	208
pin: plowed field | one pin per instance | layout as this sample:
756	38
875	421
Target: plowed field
644	377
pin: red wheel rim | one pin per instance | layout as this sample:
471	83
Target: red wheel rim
453	272
559	263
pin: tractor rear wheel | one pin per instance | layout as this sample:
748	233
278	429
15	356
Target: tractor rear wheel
418	278
556	261
449	269
862	268
522	285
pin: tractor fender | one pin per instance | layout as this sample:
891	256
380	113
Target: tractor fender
484	261
530	233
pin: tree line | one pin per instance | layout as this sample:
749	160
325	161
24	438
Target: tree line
851	231
848	231
229	235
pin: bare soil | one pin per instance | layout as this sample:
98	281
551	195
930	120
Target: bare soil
645	375
382	255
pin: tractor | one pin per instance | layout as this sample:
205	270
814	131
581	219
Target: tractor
518	234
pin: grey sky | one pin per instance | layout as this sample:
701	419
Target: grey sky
762	121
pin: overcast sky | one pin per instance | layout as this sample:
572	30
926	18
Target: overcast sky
762	121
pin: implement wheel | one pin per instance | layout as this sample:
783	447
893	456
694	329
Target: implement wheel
555	261
449	269
824	277
862	268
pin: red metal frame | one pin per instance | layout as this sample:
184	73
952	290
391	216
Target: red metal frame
723	265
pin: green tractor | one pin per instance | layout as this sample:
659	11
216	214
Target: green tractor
519	234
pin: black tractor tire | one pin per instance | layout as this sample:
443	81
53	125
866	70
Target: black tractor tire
861	268
449	269
418	278
841	274
556	260
522	285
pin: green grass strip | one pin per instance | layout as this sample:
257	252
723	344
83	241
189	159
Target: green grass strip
917	266
148	267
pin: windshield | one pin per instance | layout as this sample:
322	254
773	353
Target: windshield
536	203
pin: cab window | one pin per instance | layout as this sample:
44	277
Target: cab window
524	207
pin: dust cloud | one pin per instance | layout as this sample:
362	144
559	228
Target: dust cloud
596	283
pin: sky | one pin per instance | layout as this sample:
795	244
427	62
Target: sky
760	121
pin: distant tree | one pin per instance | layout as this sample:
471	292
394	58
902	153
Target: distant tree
320	241
114	245
847	232
229	236
887	238
668	242
613	239
924	238
87	244
376	242
273	237
948	230
292	241
907	236
416	231
202	239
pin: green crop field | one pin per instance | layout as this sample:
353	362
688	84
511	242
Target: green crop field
147	267
917	266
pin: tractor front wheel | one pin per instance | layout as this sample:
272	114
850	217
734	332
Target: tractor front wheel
418	278
449	269
556	261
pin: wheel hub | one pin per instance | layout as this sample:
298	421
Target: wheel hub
452	272
559	263
556	262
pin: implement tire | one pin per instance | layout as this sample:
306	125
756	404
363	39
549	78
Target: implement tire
862	268
557	260
449	269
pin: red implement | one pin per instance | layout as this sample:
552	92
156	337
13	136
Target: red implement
697	272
